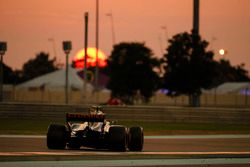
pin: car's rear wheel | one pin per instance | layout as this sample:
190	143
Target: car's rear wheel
118	138
135	139
56	136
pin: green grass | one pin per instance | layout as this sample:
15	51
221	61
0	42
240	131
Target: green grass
39	127
24	126
188	128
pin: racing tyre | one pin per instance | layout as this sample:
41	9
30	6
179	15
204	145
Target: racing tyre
135	139
56	136
117	138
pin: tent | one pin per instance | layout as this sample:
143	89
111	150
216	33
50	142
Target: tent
56	81
231	88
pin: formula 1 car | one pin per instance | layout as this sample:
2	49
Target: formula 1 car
94	131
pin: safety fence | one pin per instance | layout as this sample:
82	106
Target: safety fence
101	97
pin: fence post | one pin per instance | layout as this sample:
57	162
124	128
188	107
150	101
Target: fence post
246	94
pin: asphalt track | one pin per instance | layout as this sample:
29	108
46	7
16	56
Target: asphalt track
212	150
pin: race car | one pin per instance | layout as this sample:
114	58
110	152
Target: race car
92	130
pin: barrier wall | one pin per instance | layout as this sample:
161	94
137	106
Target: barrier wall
131	113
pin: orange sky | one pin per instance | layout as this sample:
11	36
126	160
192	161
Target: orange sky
28	24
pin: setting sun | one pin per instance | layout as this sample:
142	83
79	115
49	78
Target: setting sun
78	60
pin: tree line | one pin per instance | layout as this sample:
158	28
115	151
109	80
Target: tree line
34	67
135	73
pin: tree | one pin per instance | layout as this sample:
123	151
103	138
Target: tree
189	67
38	66
225	72
131	71
9	76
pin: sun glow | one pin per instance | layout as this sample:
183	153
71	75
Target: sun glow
222	52
78	60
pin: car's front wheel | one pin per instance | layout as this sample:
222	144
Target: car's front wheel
135	139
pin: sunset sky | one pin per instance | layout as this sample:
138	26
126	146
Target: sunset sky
27	26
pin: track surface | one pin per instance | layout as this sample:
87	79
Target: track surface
16	148
169	144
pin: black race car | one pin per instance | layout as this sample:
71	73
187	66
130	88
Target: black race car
94	131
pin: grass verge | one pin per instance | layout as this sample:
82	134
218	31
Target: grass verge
39	127
158	128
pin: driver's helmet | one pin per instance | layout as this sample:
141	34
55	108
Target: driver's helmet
95	110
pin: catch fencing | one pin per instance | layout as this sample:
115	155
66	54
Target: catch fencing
11	94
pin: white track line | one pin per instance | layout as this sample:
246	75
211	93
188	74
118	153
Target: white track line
119	153
229	136
122	163
23	136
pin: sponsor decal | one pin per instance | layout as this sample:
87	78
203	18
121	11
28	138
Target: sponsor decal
85	117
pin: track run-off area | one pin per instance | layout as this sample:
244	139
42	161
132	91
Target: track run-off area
213	150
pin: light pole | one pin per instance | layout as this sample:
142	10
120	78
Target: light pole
164	28
67	46
54	45
160	42
194	98
196	16
97	49
86	19
112	26
3	48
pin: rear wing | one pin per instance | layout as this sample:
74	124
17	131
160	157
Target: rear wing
77	117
